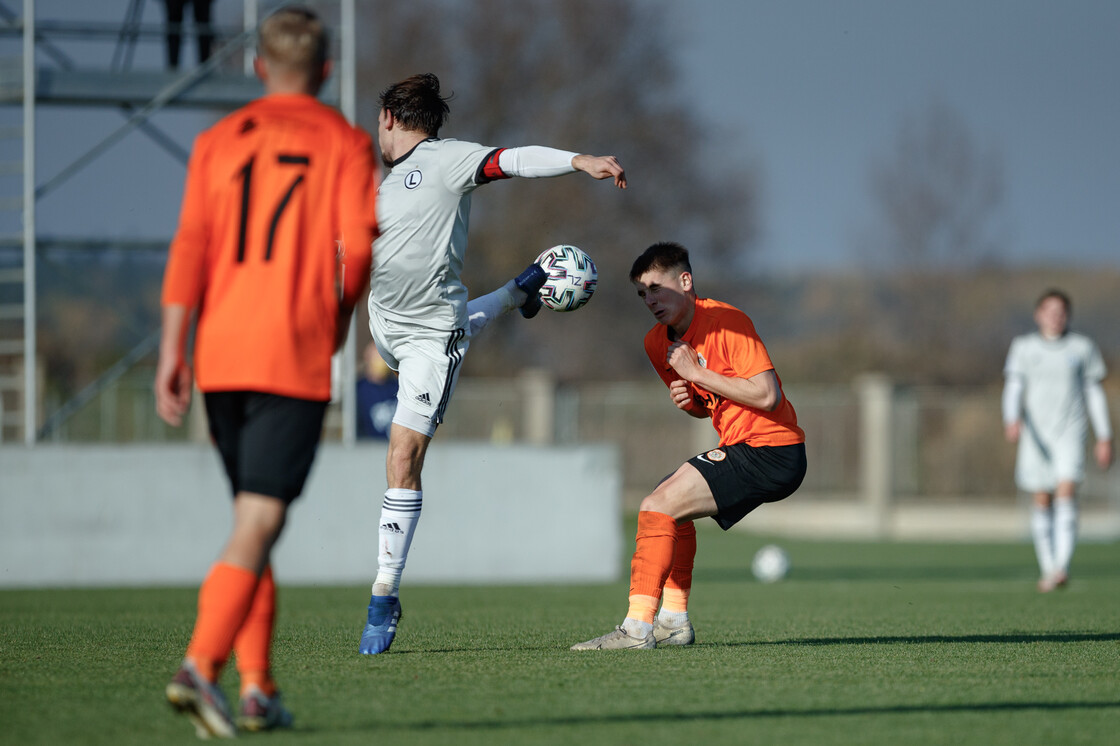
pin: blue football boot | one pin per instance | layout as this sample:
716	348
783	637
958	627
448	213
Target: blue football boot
381	625
531	281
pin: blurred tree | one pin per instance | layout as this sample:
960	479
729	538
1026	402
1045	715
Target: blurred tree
593	76
939	196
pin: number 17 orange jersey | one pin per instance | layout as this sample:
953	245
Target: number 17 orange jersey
278	215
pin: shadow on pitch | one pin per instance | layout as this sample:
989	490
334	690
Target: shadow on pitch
1005	639
897	573
745	714
939	639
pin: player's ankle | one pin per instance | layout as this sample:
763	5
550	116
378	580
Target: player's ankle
636	627
672	618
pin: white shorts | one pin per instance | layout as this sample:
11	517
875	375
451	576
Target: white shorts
1041	465
427	362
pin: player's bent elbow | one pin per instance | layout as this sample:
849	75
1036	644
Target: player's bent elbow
770	401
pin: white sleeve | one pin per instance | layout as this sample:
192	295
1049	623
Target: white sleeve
1012	399
1098	410
1095	369
1013	387
535	162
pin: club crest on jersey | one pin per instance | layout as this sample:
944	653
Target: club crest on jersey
716	455
412	179
700	359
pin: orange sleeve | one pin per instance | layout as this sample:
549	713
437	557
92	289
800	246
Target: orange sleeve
657	346
357	218
743	348
185	276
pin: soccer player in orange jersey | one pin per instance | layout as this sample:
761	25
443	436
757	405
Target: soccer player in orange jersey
716	366
271	254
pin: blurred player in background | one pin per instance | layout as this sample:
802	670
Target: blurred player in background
1052	391
419	315
716	366
376	395
272	253
202	29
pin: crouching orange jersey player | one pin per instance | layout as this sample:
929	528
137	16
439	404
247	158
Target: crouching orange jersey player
716	366
272	253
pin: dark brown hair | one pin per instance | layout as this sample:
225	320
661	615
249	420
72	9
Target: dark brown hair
665	255
415	103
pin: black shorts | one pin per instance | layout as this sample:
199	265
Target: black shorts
267	442
742	477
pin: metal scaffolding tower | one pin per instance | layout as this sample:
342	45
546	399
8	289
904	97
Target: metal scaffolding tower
138	94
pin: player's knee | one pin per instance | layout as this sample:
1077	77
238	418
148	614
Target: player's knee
659	502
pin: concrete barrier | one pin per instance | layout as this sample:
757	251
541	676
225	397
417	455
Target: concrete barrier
159	514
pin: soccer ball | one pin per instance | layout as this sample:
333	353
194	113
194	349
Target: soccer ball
770	564
572	278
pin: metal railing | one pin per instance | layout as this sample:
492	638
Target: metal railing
946	444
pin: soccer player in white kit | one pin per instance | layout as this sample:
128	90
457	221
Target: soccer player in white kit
419	314
1052	392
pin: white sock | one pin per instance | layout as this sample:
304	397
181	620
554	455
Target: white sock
1042	530
636	627
400	512
672	618
1065	532
485	308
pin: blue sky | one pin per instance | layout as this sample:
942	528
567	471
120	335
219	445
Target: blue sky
816	91
813	91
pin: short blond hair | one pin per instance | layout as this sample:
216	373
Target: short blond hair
295	39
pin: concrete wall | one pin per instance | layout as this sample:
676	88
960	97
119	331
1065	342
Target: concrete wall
159	514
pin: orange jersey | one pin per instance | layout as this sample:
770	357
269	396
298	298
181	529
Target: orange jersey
279	211
727	343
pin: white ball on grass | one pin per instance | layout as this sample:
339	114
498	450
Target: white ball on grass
770	564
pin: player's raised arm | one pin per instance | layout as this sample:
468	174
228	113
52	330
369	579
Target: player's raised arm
536	161
601	167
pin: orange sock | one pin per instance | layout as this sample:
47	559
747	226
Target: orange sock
253	643
677	586
653	557
223	602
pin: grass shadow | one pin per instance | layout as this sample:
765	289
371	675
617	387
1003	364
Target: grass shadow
896	573
743	714
1014	639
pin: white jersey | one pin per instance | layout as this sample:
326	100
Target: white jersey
423	207
1054	375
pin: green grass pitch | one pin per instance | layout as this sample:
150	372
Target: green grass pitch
869	643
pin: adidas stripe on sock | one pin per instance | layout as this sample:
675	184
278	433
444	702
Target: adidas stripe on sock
400	513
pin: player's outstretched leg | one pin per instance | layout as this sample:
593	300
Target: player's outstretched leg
381	624
530	282
201	701
522	292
